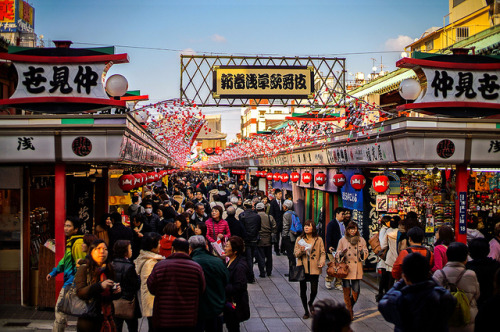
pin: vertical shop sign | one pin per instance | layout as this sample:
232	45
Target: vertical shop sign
462	227
353	200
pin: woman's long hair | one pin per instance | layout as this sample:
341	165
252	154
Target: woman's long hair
311	223
350	225
94	270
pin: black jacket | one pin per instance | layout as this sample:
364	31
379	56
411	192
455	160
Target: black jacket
129	281
153	221
119	232
236	227
333	235
485	269
251	221
276	212
236	290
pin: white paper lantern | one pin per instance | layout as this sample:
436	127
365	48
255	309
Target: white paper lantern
116	85
409	89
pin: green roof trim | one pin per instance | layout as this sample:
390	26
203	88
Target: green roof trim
486	42
384	84
77	121
133	93
102	50
16	49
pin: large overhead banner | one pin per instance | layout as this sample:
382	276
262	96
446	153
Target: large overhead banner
16	15
263	82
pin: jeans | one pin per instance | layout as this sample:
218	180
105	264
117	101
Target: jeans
60	317
266	260
354	284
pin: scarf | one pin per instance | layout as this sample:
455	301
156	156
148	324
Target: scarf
108	324
353	240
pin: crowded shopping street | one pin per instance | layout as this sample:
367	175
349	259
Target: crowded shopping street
285	165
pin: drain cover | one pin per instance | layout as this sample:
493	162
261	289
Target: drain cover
16	324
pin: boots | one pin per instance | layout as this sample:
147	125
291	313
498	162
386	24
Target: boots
347	300
354	298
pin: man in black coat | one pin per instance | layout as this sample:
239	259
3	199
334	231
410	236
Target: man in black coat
118	231
276	210
334	232
252	222
235	226
151	219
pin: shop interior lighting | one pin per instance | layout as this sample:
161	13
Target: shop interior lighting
485	169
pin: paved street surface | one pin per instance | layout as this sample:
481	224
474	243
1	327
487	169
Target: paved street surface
274	302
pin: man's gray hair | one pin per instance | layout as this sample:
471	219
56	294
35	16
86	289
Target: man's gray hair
198	205
288	203
234	200
231	210
197	241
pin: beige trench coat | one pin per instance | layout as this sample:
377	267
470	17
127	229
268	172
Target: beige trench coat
318	256
354	257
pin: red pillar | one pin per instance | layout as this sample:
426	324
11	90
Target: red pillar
59	218
462	180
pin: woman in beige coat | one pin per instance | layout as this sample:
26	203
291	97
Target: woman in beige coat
352	248
310	252
144	264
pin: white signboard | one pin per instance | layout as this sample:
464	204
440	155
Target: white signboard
27	148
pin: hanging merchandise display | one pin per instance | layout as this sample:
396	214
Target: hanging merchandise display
484	199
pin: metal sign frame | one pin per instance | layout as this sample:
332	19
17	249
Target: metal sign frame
197	81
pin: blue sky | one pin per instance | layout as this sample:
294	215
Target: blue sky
278	27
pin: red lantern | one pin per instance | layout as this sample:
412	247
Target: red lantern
126	182
339	180
358	181
144	178
284	177
150	177
320	178
306	177
138	180
294	176
259	174
277	176
269	176
380	183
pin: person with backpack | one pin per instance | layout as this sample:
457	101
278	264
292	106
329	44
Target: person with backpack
288	235
416	302
67	265
352	248
415	239
462	284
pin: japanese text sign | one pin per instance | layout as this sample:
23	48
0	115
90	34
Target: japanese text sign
60	80
461	86
462	221
16	15
263	82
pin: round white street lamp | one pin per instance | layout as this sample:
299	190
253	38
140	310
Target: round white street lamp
116	85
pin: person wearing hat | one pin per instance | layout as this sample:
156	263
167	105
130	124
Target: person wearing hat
252	223
287	237
267	229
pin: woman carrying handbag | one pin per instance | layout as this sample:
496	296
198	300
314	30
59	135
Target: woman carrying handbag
94	284
352	248
311	255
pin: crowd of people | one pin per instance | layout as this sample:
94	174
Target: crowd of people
186	259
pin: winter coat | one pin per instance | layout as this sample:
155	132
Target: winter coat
316	258
473	234
72	254
135	209
381	237
424	306
177	284
236	226
137	240
166	245
236	290
495	249
390	240
276	211
354	256
287	224
153	221
197	219
468	283
440	258
333	234
485	269
267	227
215	228
252	223
216	278
119	232
144	264
129	281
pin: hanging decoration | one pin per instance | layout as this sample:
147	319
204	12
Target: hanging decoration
358	181
320	178
284	177
126	182
269	176
380	183
294	177
306	177
277	176
339	180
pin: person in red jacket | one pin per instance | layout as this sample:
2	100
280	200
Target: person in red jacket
416	237
177	283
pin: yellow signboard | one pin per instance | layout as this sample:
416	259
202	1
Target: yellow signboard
273	82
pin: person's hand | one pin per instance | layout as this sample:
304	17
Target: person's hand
220	236
320	265
331	249
118	289
140	234
48	277
302	248
107	283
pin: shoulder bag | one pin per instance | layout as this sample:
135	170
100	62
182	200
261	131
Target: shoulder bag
124	308
338	268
